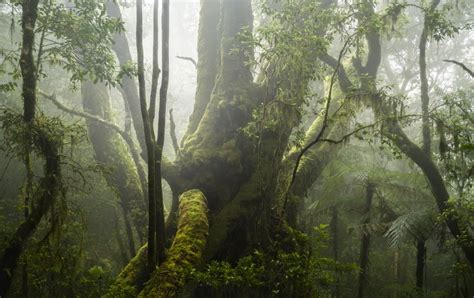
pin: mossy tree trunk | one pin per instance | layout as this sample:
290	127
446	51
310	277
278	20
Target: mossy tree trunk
208	49
184	254
237	173
38	138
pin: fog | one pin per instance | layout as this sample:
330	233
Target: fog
239	148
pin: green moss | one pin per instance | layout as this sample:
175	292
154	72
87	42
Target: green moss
186	251
208	44
132	278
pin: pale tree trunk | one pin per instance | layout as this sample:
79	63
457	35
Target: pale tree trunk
365	242
111	150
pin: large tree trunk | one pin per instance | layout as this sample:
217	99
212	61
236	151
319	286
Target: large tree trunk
208	49
110	150
217	150
185	253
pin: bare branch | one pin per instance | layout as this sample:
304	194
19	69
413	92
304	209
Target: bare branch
188	59
125	136
470	72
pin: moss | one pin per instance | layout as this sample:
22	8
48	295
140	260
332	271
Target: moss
132	278
208	44
216	148
186	251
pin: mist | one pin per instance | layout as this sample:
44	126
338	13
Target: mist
236	148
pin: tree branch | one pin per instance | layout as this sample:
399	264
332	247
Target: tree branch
470	72
188	59
125	136
324	125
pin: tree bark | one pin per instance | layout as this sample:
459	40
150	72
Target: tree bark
420	264
37	138
208	49
425	99
160	217
129	87
185	253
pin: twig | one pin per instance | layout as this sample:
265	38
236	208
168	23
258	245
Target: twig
188	59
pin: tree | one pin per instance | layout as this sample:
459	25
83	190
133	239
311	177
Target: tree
36	138
252	151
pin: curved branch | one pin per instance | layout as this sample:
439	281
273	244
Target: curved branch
470	72
188	59
323	127
344	83
125	136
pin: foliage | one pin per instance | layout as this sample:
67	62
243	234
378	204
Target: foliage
455	131
77	37
276	272
56	266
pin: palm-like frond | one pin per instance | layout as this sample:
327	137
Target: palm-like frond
418	224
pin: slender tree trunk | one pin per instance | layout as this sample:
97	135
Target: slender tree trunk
365	243
160	217
335	245
426	132
425	99
150	143
396	262
129	87
420	264
38	138
27	63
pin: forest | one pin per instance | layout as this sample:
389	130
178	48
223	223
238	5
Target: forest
236	148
